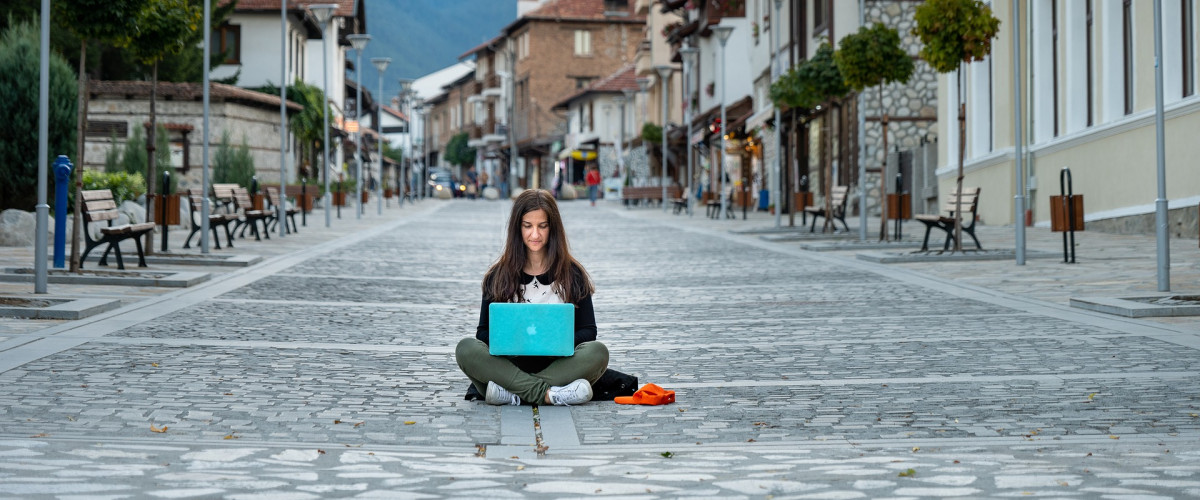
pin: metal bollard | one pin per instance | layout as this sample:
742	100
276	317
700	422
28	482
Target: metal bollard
62	184
162	207
304	202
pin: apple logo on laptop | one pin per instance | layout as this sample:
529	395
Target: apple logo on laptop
531	330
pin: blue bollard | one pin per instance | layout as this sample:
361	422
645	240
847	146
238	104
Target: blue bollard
62	181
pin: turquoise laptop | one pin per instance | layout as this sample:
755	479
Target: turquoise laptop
531	329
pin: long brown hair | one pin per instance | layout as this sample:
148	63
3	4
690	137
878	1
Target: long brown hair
502	283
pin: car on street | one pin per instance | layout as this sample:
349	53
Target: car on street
441	179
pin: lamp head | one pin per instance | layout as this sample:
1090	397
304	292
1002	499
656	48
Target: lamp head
323	12
619	100
664	71
689	54
381	63
643	84
358	41
723	33
405	85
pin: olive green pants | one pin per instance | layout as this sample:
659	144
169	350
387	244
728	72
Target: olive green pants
589	362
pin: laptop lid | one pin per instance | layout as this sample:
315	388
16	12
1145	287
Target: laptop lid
531	329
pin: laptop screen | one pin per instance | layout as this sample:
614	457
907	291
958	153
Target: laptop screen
516	329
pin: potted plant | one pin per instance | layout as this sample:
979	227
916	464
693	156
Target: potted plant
339	193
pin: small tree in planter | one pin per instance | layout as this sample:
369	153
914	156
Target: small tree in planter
954	32
806	85
873	57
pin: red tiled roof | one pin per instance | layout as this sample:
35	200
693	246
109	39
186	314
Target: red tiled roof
478	48
188	92
616	83
394	112
576	9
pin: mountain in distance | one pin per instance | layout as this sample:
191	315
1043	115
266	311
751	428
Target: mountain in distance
423	36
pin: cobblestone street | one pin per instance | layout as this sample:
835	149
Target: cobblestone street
329	372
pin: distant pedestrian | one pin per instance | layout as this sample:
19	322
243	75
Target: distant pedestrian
536	267
593	183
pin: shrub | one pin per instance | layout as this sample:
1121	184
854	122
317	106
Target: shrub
233	165
20	71
124	185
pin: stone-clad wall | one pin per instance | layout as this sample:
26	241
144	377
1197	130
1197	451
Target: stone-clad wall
917	98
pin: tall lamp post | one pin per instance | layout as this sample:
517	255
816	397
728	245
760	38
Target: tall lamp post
359	42
324	12
381	64
689	63
281	210
776	70
406	94
723	33
664	76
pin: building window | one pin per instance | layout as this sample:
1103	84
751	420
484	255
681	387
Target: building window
1127	49
523	45
1189	46
583	43
583	81
822	15
227	39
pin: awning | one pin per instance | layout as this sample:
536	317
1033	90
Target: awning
760	118
578	154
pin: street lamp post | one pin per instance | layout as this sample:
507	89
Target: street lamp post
723	33
381	64
359	42
689	64
406	94
324	12
281	210
622	101
776	70
664	75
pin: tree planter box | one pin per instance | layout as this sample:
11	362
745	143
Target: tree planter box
339	199
366	196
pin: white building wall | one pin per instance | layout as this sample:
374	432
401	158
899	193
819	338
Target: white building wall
1074	63
1112	72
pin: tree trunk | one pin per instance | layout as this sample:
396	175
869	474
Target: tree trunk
151	146
962	153
80	134
883	180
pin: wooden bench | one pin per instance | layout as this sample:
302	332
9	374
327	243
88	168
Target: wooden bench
215	220
713	204
99	206
970	202
237	201
838	196
274	203
649	193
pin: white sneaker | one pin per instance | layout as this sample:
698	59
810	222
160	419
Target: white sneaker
574	393
497	395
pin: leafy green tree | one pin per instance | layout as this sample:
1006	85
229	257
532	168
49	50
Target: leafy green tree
105	21
651	133
870	58
232	165
810	83
954	32
458	152
164	27
307	124
20	70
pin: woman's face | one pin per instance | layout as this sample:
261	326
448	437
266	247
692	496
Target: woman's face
535	229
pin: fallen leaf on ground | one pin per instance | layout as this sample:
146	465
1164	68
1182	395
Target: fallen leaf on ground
409	422
158	429
908	473
1114	437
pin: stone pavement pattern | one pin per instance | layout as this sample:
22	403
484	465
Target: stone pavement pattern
329	372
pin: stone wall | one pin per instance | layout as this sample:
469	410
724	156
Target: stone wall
258	125
1182	223
907	104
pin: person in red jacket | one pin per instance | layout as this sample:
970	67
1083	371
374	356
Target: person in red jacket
593	183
